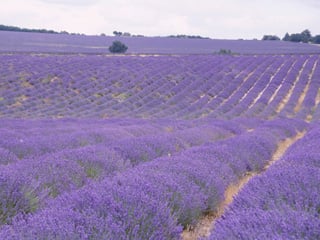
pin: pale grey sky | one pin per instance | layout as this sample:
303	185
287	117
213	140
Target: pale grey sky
223	19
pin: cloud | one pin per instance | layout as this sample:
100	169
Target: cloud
213	18
73	3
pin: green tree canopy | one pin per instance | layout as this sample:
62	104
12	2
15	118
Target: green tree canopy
305	36
118	47
270	37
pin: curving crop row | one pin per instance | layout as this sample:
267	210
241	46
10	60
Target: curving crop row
38	168
152	200
282	203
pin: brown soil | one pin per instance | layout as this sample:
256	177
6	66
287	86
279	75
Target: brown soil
239	87
266	87
206	223
317	102
318	98
305	90
280	85
287	97
309	118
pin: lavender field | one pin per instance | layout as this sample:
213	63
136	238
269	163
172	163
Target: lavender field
70	43
101	146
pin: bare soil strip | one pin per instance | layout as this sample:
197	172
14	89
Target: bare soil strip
318	98
317	102
305	90
285	100
206	223
237	89
280	85
266	87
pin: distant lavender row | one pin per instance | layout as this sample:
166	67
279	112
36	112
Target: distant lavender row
62	43
31	139
153	199
264	86
283	203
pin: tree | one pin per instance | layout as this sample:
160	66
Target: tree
116	33
270	37
225	52
118	47
126	34
306	36
296	37
286	37
316	39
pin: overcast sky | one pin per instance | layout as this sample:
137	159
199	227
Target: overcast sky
223	19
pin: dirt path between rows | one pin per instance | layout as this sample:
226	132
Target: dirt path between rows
306	89
287	97
206	223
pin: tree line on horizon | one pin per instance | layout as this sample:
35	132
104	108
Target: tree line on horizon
304	37
18	29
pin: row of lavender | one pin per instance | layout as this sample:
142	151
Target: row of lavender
63	43
40	160
150	200
282	203
30	139
160	87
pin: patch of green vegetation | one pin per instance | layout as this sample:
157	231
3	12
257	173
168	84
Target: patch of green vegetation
83	142
118	84
23	76
145	157
92	172
33	201
50	79
121	96
54	192
26	84
169	129
98	95
225	51
46	79
168	96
